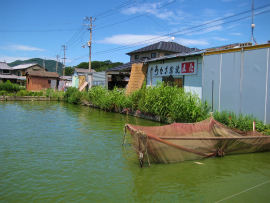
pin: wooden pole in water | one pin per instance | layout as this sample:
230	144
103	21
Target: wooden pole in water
212	95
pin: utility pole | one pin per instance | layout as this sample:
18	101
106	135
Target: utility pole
56	63
90	42
64	48
252	25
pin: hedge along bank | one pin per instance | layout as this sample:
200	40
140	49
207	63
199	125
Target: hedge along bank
159	103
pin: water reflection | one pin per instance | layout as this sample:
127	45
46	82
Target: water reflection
53	151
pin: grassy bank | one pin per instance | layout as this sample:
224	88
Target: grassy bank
167	102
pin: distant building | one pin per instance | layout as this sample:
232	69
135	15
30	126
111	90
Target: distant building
39	80
21	69
8	73
121	79
235	79
82	77
152	51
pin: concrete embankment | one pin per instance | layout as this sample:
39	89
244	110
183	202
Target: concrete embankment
24	98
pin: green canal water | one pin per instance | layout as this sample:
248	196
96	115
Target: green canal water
58	152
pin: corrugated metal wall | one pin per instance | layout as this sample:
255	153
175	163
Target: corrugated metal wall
99	78
240	80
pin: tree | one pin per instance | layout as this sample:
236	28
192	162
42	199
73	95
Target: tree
69	71
84	65
99	65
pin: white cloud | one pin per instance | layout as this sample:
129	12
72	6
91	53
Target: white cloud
151	8
236	34
17	47
10	59
191	42
219	39
243	4
127	39
204	30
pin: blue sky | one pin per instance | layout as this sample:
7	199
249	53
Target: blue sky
39	28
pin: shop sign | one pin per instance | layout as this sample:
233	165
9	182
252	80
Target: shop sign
176	68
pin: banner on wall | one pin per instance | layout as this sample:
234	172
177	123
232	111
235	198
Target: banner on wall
176	68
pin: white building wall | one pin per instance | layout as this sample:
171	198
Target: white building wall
241	82
191	83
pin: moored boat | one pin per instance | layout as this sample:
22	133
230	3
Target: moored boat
191	141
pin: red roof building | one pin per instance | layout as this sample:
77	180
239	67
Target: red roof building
39	80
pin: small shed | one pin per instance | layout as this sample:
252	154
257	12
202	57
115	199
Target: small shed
80	76
39	80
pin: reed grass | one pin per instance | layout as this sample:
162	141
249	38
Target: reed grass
241	122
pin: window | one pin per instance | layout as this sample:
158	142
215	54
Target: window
5	71
136	56
153	55
28	80
49	81
166	54
171	81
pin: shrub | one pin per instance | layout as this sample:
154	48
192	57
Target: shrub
72	95
22	93
2	92
242	122
49	92
11	87
168	101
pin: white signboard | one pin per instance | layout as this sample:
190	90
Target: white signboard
176	68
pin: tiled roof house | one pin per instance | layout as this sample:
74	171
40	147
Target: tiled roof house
156	50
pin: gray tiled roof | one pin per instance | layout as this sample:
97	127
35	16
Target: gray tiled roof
43	74
4	66
126	65
66	77
166	46
199	52
82	70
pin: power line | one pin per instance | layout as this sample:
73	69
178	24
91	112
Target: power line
122	10
135	16
157	23
115	8
77	33
64	48
90	42
174	33
56	30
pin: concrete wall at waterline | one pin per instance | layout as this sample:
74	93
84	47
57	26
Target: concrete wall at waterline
241	82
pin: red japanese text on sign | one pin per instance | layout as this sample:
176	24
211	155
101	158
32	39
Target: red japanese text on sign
187	67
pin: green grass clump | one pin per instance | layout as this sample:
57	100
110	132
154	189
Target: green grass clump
170	102
73	95
241	122
22	93
10	87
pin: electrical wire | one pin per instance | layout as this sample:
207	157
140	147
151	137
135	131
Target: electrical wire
77	33
135	16
121	10
174	33
115	8
56	30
